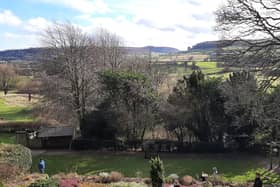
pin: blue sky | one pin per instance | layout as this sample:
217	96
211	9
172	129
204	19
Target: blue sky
174	23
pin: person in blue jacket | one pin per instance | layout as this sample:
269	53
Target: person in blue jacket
42	166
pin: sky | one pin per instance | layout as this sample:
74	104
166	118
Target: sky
172	23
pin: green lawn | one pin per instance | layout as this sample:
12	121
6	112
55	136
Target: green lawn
8	138
15	113
182	164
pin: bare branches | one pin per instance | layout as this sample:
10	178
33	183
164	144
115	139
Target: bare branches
7	77
110	47
255	24
70	67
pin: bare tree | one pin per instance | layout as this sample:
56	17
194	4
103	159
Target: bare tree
7	77
70	69
30	87
111	49
146	65
254	27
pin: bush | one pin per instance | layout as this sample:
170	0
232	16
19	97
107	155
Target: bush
45	183
187	180
127	184
204	147
97	126
8	171
71	182
171	178
85	144
157	172
116	176
16	155
104	177
87	184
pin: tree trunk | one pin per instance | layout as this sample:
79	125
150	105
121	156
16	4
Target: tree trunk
29	97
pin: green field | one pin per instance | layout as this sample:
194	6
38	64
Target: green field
15	113
7	138
130	164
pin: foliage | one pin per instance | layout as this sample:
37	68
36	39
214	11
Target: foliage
157	172
7	138
98	126
68	81
16	155
251	26
7	77
204	147
243	105
171	178
186	180
87	184
8	171
45	183
129	103
115	176
268	177
127	184
196	107
270	131
69	182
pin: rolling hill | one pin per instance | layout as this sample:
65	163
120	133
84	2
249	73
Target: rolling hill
31	54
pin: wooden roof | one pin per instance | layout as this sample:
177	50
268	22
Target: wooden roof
61	131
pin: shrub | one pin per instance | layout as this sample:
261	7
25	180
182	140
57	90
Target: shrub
71	182
87	184
16	155
8	171
157	172
115	176
60	176
126	184
205	147
187	180
172	178
104	177
45	183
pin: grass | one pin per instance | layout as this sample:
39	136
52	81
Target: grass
15	113
12	112
129	164
8	138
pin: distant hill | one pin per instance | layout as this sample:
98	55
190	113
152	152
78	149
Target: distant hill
31	54
214	45
20	54
153	49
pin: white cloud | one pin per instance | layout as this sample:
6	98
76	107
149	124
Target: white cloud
18	41
176	23
36	25
84	6
8	18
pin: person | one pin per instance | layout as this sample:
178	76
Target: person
42	166
258	181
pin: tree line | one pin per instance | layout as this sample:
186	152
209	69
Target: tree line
90	81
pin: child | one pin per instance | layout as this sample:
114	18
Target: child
42	166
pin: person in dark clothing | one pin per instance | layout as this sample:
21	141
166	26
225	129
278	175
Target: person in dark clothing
258	181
